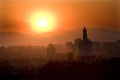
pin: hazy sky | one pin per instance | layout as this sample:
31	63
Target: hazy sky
71	14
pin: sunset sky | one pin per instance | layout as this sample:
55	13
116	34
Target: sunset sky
69	14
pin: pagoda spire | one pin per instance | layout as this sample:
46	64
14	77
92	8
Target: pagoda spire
85	33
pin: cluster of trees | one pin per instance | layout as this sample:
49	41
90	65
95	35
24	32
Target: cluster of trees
77	70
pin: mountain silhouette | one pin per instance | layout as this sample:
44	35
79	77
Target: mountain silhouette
14	38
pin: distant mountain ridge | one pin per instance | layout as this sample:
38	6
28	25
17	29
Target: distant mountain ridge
14	38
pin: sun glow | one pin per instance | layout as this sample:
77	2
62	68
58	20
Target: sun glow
42	21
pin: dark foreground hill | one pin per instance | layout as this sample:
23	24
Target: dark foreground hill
98	70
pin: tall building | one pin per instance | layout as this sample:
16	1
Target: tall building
77	47
51	52
85	44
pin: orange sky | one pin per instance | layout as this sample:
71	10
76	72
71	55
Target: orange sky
71	14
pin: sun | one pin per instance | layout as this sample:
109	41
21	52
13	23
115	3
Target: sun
42	21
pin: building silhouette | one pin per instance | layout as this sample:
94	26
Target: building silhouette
77	46
85	44
51	52
110	49
97	48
